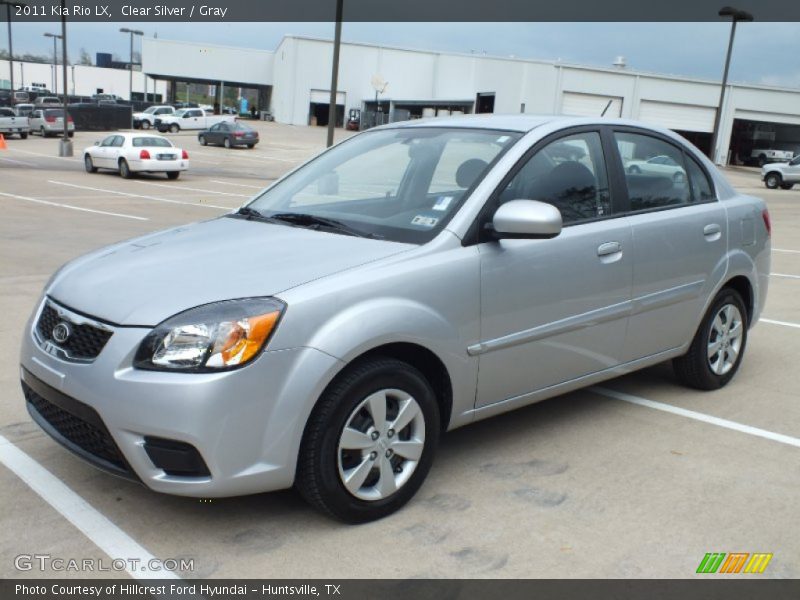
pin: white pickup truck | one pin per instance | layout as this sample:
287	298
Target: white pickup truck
762	156
11	124
189	118
147	118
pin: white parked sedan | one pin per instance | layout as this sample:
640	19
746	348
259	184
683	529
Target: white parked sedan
131	153
657	165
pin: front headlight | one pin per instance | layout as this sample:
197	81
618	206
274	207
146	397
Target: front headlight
214	337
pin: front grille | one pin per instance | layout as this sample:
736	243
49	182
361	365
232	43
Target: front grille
92	438
85	341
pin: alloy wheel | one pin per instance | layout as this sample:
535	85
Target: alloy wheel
381	444
725	339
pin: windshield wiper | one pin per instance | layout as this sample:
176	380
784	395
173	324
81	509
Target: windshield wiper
251	213
307	220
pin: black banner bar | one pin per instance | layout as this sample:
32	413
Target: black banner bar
398	11
712	588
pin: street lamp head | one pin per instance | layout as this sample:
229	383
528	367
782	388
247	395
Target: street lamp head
735	14
52	35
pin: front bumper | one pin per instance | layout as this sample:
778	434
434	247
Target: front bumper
245	424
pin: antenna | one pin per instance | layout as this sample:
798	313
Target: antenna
603	114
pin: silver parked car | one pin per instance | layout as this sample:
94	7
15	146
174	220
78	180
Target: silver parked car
410	280
50	121
781	175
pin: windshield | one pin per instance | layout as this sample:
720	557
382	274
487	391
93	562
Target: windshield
397	184
150	110
180	113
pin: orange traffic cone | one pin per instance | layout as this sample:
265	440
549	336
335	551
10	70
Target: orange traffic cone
3	142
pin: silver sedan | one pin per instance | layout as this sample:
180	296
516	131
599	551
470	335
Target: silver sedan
411	280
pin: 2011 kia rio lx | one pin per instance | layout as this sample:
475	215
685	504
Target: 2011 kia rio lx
410	280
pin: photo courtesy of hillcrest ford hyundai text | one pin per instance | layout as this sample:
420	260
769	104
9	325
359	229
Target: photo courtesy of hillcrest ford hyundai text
387	297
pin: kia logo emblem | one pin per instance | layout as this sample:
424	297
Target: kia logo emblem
61	332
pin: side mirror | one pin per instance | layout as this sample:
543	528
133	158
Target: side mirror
526	220
186	116
328	184
97	143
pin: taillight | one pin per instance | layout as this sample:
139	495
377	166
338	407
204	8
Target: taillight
144	155
69	120
238	134
50	119
184	155
767	221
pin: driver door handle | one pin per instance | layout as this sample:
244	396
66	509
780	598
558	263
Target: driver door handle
609	248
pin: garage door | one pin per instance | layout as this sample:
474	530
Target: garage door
767	117
324	97
590	105
682	117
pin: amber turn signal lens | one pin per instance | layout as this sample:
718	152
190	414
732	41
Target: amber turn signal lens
239	341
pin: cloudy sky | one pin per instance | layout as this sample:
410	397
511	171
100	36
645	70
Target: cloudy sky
764	52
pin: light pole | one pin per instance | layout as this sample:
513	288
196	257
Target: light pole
736	15
337	42
65	146
132	32
10	43
55	37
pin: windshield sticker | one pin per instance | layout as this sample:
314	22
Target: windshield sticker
442	202
503	139
424	221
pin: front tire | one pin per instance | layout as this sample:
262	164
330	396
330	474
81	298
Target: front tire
202	140
718	346
773	180
145	125
88	164
370	441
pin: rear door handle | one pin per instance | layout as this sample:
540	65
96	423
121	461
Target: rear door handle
609	248
712	232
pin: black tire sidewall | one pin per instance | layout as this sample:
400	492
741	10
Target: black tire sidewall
380	375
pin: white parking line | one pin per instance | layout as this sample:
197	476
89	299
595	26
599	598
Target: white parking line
59	205
784	323
787	251
73	159
18	162
255	187
93	524
784	275
129	195
697	416
189	189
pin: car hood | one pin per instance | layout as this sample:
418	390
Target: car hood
148	279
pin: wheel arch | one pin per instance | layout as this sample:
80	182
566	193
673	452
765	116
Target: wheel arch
742	285
425	361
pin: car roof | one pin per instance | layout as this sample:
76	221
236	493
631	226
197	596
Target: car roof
522	123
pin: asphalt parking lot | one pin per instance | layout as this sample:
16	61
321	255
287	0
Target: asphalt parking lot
593	484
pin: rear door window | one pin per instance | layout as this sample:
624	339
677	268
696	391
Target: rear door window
654	172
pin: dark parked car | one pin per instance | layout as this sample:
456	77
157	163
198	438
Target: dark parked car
229	135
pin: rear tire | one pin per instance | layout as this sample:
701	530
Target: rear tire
174	128
251	146
762	160
173	174
42	132
227	143
352	403
124	169
718	346
787	186
88	164
71	134
634	170
773	180
23	136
